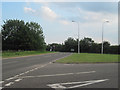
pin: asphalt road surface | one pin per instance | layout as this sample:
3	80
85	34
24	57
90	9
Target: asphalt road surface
39	72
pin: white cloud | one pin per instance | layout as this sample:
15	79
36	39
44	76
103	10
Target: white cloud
48	13
27	10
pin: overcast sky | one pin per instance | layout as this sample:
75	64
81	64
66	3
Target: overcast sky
56	19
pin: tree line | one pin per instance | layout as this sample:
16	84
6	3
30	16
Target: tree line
87	45
20	35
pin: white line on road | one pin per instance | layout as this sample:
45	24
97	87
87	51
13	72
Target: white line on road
57	74
0	88
9	84
37	67
1	82
61	57
17	80
83	83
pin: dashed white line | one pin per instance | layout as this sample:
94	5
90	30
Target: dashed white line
17	80
9	84
9	79
1	88
38	67
1	82
24	73
21	74
62	57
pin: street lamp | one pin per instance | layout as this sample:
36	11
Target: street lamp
102	34
78	37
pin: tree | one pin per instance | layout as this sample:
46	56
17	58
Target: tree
106	47
55	47
18	35
86	44
114	49
70	43
95	48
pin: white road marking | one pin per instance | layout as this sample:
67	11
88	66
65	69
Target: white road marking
57	74
61	57
37	67
0	88
9	84
56	86
1	82
83	83
9	79
17	80
16	76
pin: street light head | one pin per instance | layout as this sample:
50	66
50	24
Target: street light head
107	21
73	21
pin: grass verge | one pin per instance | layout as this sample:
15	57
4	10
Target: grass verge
89	58
7	54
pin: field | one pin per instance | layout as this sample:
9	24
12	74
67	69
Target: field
7	54
89	58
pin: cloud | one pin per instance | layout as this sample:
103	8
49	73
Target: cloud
27	10
90	16
48	13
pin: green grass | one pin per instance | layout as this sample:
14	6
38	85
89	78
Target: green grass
7	54
89	58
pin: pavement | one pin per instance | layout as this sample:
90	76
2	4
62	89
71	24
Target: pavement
39	72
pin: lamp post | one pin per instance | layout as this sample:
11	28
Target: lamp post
102	34
78	37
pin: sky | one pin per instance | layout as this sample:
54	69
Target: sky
56	19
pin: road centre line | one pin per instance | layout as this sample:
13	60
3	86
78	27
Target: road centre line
61	57
9	84
16	76
17	80
1	88
57	74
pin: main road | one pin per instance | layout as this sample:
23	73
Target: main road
39	72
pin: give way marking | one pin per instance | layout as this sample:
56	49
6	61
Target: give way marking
75	84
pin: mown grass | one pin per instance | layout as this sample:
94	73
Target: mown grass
89	58
7	54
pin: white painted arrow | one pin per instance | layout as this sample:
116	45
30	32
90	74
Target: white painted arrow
80	84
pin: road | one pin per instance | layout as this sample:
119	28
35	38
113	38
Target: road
39	72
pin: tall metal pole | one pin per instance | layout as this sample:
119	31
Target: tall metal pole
102	37
78	37
78	40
